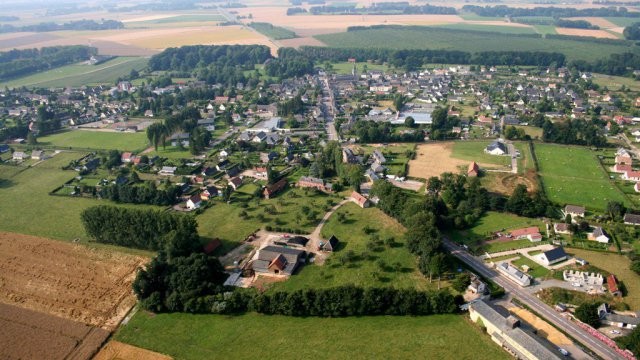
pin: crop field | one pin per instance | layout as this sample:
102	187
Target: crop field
29	334
619	21
372	264
619	265
177	20
195	337
115	350
437	158
273	32
491	28
80	74
449	39
89	139
573	175
67	280
586	32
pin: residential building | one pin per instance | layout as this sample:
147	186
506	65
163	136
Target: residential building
598	235
19	155
583	278
530	233
194	202
167	171
37	155
235	182
330	245
506	332
553	256
277	260
359	199
273	189
512	273
496	148
562	228
612	285
574	210
631	219
473	170
607	317
311	182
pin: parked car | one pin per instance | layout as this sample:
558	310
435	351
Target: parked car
563	352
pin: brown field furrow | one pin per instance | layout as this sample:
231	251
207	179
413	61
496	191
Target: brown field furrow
71	281
582	32
115	350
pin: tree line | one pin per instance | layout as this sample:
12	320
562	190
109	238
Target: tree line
383	8
573	132
188	58
16	63
72	25
139	228
556	12
135	194
289	63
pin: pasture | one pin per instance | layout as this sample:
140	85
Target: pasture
573	175
362	259
89	139
77	75
195	337
471	41
505	29
474	151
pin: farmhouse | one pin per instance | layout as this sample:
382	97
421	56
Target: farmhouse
330	245
553	256
194	202
19	155
530	233
612	285
598	235
277	260
273	189
359	199
506	332
473	170
574	210
496	148
235	182
311	182
167	170
631	219
379	158
477	286
512	273
37	155
562	228
607	317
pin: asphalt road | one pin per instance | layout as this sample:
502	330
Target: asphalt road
534	303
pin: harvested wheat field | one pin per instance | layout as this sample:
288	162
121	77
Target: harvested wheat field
544	329
433	160
602	22
26	334
67	280
584	32
115	350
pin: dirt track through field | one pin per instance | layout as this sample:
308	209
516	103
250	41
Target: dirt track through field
67	280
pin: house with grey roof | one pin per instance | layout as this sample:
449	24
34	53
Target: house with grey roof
514	274
277	260
496	148
553	256
631	219
607	317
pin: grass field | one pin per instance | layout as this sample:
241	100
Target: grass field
616	82
545	29
196	19
622	21
573	175
474	151
347	67
492	222
79	74
534	132
618	265
373	264
536	270
195	337
450	39
273	32
490	28
86	139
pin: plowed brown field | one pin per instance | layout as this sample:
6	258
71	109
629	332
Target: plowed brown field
115	350
68	280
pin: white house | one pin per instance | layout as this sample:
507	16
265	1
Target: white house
599	235
496	148
194	202
19	155
553	256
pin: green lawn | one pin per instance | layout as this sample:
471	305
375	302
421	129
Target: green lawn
535	270
347	67
492	222
81	74
373	265
26	206
474	151
224	221
416	37
86	139
252	336
573	175
171	152
534	132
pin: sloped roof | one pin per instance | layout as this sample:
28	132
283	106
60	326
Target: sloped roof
555	254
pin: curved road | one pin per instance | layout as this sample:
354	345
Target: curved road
534	303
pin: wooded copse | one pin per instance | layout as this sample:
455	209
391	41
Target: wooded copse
16	63
140	228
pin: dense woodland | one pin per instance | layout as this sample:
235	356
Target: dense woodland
140	194
72	25
557	12
16	63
